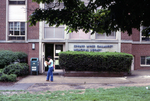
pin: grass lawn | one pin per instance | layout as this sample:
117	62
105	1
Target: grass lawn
113	94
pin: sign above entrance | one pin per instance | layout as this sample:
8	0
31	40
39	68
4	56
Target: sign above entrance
91	48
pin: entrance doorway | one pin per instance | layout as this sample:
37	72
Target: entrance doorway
49	50
53	50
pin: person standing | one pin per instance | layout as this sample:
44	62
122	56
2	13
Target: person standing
50	70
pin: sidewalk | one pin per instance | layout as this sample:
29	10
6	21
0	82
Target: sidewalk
39	83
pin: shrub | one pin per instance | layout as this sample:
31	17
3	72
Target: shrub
11	77
94	61
19	69
6	57
21	56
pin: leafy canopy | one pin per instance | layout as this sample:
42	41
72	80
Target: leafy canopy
76	14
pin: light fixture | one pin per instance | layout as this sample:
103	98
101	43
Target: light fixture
33	46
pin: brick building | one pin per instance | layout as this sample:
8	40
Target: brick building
16	35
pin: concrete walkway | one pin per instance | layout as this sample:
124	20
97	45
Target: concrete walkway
35	83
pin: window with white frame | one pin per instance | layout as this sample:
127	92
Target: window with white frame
16	31
104	36
54	32
16	20
145	60
79	35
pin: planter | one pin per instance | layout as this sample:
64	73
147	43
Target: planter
93	74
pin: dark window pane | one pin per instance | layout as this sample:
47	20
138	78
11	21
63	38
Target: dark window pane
147	60
20	38
16	32
22	32
10	32
145	38
12	38
22	28
143	60
13	2
17	2
21	2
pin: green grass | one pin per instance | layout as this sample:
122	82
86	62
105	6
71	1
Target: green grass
113	94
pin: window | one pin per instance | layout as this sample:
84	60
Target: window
16	31
16	2
79	35
145	60
144	37
54	5
17	16
54	32
104	36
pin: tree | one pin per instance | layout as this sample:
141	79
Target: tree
112	15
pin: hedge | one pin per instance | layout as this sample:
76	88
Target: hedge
11	77
95	61
19	69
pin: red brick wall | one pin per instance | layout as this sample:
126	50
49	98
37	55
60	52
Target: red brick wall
33	53
3	20
126	48
125	36
14	47
135	35
32	32
139	50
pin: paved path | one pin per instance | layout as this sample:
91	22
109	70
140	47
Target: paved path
35	83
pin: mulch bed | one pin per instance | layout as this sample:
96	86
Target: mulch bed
93	74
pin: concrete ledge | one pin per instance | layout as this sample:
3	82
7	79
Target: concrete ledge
93	74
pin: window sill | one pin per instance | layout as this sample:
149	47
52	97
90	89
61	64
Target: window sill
145	65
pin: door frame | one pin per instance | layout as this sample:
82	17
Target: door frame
44	52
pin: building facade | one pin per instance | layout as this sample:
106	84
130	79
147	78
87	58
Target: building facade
41	40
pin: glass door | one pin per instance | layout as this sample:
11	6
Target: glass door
57	48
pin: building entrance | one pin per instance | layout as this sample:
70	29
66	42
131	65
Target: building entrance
53	50
49	50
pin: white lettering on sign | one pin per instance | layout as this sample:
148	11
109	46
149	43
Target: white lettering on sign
91	48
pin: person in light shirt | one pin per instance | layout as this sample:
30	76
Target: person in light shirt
50	70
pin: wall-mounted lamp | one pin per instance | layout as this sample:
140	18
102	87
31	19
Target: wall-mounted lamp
33	46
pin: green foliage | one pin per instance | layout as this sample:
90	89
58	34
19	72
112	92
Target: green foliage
11	77
19	69
93	61
7	57
112	94
114	14
21	55
1	70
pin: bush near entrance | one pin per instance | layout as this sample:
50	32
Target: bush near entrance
94	61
